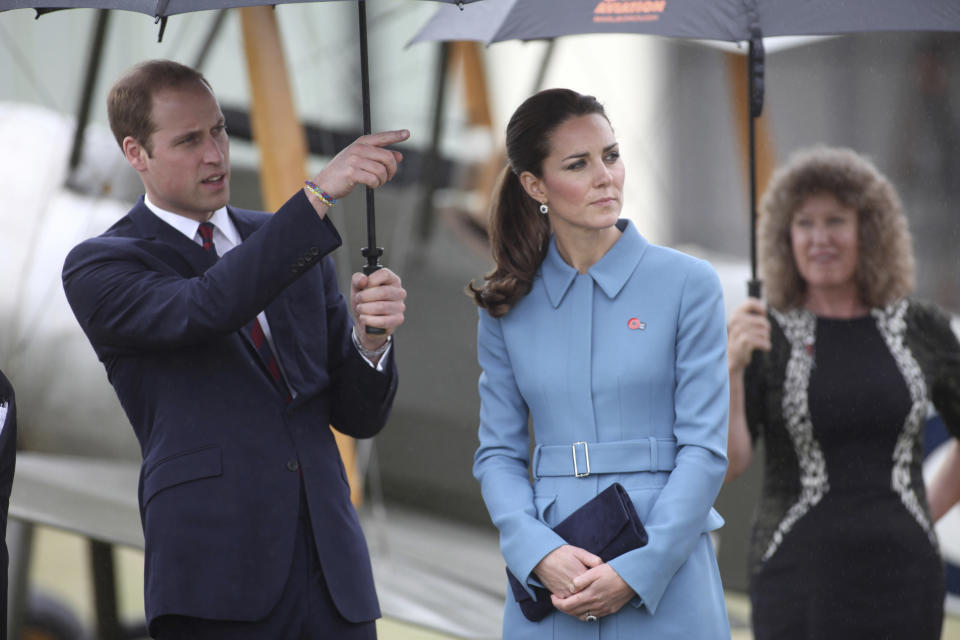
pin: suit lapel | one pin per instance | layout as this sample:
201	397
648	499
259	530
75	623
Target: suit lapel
189	258
150	227
295	317
277	312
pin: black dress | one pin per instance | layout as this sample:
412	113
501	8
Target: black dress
843	546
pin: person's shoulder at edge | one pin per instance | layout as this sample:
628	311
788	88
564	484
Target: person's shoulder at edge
927	309
931	320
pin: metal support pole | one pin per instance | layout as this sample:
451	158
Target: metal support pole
544	65
105	591
20	546
433	152
89	83
212	34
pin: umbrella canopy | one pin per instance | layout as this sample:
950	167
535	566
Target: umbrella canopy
725	20
156	8
730	20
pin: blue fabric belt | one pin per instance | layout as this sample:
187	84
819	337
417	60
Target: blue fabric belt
582	459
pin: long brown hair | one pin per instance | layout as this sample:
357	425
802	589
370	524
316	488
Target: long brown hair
885	264
519	233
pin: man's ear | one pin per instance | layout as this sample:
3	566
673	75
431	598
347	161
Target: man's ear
533	186
135	153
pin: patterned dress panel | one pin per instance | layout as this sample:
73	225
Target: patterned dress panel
892	325
799	328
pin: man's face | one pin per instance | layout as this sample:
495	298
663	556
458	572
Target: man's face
187	170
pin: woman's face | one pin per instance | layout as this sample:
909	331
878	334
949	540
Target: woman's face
582	180
825	242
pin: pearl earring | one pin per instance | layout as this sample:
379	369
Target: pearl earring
544	208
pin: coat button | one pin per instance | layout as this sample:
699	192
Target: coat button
293	465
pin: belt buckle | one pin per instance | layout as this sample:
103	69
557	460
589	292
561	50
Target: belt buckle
586	456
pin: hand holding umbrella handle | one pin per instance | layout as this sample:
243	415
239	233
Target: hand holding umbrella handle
754	286
372	254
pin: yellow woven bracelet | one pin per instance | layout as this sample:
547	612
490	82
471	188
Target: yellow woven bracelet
325	197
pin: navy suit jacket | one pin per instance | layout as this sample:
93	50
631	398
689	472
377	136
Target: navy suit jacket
8	460
223	451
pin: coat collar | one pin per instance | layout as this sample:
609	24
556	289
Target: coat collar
611	272
151	227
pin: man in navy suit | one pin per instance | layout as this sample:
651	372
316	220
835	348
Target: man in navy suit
231	349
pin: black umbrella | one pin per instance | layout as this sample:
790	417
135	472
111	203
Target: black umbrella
161	10
729	20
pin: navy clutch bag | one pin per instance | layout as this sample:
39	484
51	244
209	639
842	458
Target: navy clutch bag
607	526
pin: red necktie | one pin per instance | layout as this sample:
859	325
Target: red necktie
253	328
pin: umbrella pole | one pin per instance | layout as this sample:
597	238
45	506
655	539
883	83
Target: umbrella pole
754	109
371	252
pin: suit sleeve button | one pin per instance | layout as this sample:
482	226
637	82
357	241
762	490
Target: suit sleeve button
293	465
301	262
314	251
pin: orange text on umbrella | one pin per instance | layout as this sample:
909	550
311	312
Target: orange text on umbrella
628	10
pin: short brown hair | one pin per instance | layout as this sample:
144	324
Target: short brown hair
130	101
885	265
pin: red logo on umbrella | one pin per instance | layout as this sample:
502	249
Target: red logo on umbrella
636	323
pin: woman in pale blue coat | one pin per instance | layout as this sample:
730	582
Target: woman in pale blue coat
615	349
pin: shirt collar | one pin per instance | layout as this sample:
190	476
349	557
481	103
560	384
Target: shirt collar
188	226
610	272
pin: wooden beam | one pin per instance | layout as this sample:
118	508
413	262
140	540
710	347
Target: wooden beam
276	128
280	137
766	156
470	57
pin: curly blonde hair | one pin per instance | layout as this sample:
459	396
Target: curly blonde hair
885	265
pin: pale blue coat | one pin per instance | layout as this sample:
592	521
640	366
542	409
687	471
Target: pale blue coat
568	356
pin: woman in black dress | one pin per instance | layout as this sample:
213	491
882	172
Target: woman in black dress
835	374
